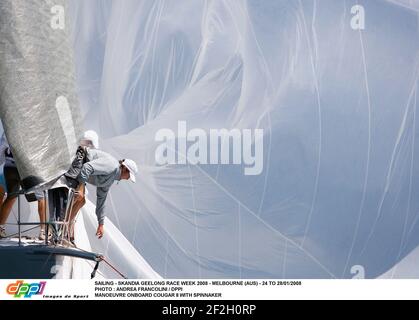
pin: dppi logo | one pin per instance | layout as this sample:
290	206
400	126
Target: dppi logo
27	290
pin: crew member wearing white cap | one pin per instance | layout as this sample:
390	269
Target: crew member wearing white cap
101	170
90	139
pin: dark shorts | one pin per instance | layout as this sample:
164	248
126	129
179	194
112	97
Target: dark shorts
13	182
11	175
72	183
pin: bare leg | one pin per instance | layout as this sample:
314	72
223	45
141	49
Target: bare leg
6	209
76	207
41	212
78	203
2	193
2	229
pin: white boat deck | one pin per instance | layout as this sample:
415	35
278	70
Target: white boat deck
14	242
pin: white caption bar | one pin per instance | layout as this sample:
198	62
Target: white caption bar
208	289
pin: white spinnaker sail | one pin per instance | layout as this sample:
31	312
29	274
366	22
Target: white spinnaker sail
406	268
338	106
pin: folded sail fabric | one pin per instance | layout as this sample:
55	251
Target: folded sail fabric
38	103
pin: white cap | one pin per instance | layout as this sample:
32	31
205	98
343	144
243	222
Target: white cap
90	139
132	167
